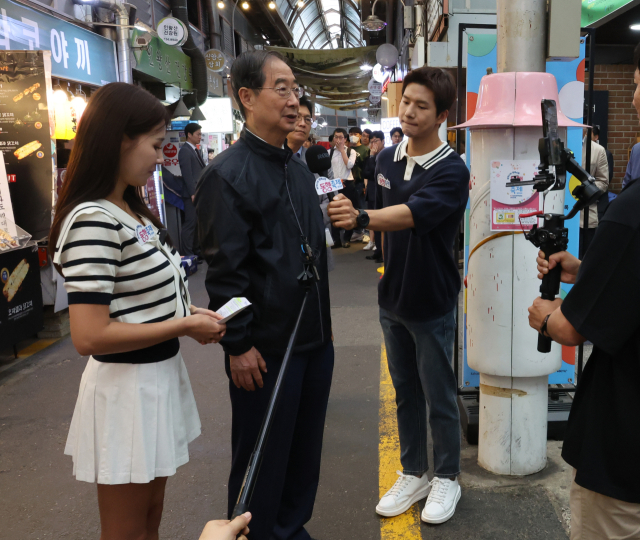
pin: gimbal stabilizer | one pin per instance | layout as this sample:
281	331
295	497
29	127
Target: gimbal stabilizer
552	237
306	279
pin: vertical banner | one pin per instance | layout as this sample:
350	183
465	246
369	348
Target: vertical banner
25	138
153	196
171	145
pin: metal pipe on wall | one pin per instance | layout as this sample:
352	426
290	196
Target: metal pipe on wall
124	40
521	35
390	21
215	40
123	35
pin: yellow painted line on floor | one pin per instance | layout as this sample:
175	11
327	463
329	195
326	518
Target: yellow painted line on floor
36	347
405	526
32	349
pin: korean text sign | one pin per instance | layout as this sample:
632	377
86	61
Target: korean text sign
76	54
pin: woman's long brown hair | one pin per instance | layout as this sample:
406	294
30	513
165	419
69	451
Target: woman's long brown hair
115	110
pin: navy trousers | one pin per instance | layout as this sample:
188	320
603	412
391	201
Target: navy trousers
286	488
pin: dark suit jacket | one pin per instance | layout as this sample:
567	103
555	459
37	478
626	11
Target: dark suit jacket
191	166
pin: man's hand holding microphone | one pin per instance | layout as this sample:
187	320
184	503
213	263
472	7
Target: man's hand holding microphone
342	213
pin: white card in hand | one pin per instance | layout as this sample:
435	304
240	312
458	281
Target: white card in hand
232	308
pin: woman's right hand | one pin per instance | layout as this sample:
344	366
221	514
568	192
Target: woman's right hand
568	262
204	329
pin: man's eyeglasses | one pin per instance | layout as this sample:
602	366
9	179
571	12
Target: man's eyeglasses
284	91
307	119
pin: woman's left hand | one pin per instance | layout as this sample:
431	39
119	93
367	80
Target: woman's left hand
202	311
540	309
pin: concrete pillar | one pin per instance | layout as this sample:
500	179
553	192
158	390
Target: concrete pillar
522	35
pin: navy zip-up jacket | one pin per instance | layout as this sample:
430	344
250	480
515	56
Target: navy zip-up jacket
251	239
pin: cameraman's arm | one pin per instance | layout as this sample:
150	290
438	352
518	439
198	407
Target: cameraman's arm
603	304
559	329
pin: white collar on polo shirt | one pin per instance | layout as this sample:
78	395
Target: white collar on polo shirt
425	161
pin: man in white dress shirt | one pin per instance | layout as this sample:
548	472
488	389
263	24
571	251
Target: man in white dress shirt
342	161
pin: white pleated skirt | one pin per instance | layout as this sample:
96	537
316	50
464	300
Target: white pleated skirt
132	422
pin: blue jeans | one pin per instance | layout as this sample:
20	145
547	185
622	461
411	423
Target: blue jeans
419	356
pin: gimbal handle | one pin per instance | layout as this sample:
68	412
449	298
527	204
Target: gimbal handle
551	238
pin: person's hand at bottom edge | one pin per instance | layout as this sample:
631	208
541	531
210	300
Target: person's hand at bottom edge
222	529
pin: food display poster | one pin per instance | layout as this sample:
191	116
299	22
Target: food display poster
21	312
507	203
25	138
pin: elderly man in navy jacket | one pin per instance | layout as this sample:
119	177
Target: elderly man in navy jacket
255	202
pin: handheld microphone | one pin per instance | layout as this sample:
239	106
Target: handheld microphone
319	162
318	159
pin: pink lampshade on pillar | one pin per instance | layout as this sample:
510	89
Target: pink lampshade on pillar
513	100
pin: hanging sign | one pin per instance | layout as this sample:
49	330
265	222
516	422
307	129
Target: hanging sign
379	74
163	62
214	83
507	203
596	10
218	114
215	60
172	31
374	99
77	54
375	87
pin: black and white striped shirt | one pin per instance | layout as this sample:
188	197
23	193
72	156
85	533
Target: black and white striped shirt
104	263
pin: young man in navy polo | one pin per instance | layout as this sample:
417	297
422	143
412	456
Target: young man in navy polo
423	187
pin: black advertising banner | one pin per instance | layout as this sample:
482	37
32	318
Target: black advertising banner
21	314
25	138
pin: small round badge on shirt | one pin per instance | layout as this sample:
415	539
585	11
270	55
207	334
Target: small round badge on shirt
144	234
384	182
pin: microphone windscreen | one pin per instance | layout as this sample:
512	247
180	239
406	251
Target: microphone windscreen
318	159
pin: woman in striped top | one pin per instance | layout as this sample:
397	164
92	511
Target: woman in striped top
128	305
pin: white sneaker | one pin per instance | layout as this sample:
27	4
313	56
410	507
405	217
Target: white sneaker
442	500
371	245
404	493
